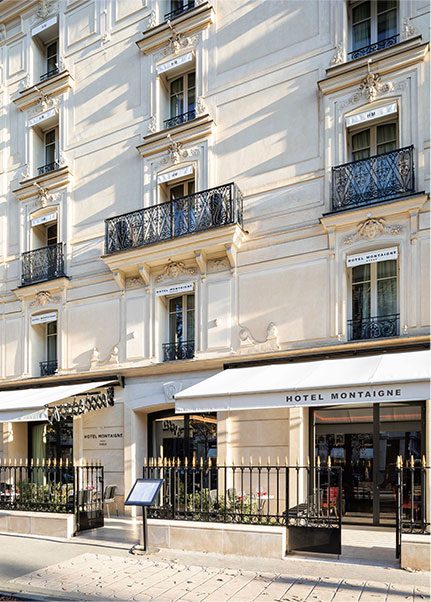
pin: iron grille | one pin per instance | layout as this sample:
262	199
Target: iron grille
377	178
179	11
42	264
182	350
205	210
48	368
179	119
412	505
380	45
374	328
49	74
48	167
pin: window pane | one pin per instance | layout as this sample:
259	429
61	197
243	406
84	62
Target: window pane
387	269
177	97
190	301
361	145
361	273
383	5
50	137
177	191
191	93
191	187
386	133
361	12
361	301
386	25
387	297
361	35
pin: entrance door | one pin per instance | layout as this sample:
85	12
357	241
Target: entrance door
365	442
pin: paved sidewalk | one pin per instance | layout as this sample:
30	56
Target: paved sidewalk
107	577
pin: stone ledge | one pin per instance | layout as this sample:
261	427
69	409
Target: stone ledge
416	552
37	523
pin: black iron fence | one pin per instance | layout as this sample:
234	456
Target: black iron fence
48	167
49	74
376	327
181	350
179	11
378	178
380	45
49	367
204	210
40	265
412	504
179	119
52	487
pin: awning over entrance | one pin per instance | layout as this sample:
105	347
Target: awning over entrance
374	378
29	405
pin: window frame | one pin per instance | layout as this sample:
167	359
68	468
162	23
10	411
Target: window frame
185	321
373	18
373	289
372	126
55	143
48	57
54	337
185	91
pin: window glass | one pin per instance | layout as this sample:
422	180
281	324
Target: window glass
51	56
386	138
361	25
386	19
361	145
343	415
386	288
51	235
191	92
51	341
177	97
50	147
176	320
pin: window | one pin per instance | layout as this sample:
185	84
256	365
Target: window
177	7
375	140
374	300
51	58
50	147
51	235
51	441
181	328
374	26
51	342
182	99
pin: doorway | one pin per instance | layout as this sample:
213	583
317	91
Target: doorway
365	441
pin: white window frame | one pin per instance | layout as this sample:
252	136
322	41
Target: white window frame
372	126
184	76
373	287
45	148
185	311
373	22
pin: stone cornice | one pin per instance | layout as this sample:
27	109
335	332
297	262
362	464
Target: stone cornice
192	21
387	61
196	129
51	286
51	87
50	181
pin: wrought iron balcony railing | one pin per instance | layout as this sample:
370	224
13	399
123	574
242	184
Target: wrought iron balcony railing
179	119
179	11
49	74
182	350
377	327
378	178
48	167
48	368
42	264
205	210
380	45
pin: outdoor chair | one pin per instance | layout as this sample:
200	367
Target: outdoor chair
109	497
332	504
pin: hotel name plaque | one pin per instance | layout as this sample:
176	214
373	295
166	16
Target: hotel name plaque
102	438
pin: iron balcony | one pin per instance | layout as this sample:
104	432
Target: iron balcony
42	264
378	178
380	45
48	167
48	368
213	208
181	350
179	11
49	74
377	327
179	119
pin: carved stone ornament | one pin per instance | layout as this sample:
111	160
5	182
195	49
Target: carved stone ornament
25	174
152	21
2	32
175	151
45	8
134	282
152	126
408	29
174	270
372	228
113	356
201	108
370	86
44	103
43	196
43	298
338	57
172	388
217	265
95	358
271	342
25	83
177	41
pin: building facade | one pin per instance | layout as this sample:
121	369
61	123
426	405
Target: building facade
193	186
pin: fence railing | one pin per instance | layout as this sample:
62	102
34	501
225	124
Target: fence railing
377	178
48	167
48	367
40	265
51	487
412	504
179	11
380	45
49	74
254	494
376	327
204	210
179	119
181	350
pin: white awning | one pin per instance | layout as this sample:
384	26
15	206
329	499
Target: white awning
374	378
28	405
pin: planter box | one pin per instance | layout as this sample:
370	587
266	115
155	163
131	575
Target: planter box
37	523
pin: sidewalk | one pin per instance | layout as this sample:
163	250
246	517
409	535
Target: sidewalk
83	570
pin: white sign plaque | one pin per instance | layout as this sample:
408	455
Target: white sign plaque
44	318
372	114
41	117
372	257
48	217
179	60
174	289
174	174
44	26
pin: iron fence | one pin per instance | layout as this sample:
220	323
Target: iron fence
49	367
380	45
181	350
49	74
48	167
179	119
376	327
412	511
40	265
377	178
204	210
179	11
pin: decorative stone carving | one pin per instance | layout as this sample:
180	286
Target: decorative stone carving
43	298
171	388
25	174
372	228
113	357
271	342
134	282
175	150
177	41
217	265
95	358
339	54
370	86
174	270
44	103
408	29
152	21
25	83
201	108
43	196
61	159
45	8
2	32
61	65
152	126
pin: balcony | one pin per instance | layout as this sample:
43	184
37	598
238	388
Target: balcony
41	265
380	45
377	327
207	210
41	171
179	119
179	11
48	368
49	74
378	178
182	350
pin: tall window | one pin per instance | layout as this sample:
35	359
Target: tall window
374	300
51	235
52	58
177	7
50	147
181	328
375	140
183	95
51	341
373	23
183	213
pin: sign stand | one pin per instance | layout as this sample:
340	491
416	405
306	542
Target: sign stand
143	493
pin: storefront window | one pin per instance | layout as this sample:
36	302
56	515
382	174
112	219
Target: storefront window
51	441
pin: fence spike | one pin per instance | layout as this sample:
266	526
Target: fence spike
278	461
202	462
329	461
210	462
14	461
423	461
286	463
308	461
26	461
318	461
224	462
61	462
145	462
31	462
268	460
20	461
43	461
186	461
194	461
412	461
242	460
10	462
398	462
233	461
260	461
67	462
297	462
251	461
401	461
